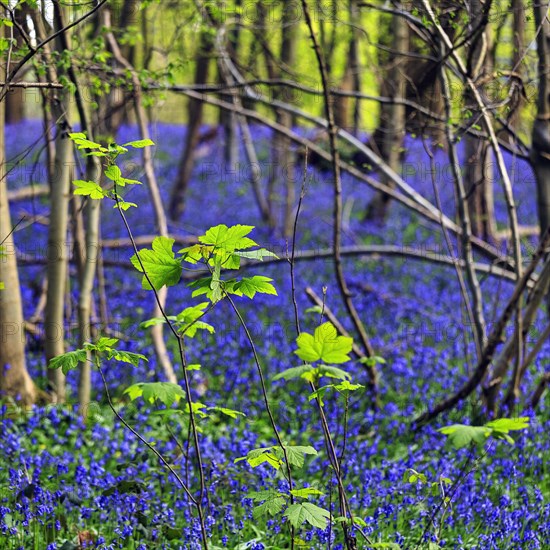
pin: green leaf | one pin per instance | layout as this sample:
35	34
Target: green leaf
165	392
461	435
139	143
89	189
372	361
2	285
127	357
270	458
159	263
68	361
249	286
259	254
305	492
255	457
296	454
270	507
260	496
293	372
194	253
228	412
344	387
412	476
333	372
82	142
228	239
189	320
156	321
104	343
273	503
324	345
124	205
197	408
505	425
113	173
305	512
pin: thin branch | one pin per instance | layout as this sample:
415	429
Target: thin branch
494	340
31	53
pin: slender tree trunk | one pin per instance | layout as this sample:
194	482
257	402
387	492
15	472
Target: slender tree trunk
478	176
391	129
285	159
154	193
15	381
518	29
57	253
540	149
228	119
195	108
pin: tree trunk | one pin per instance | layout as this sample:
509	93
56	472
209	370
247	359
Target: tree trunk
15	381
540	148
478	177
391	129
57	253
284	158
194	116
518	41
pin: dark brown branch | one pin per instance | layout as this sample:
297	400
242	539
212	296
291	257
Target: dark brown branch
493	341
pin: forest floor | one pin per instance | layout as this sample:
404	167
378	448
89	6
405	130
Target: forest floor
64	480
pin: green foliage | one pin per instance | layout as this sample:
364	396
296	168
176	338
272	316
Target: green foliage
160	264
222	247
306	512
68	361
250	286
372	361
344	387
167	393
462	435
273	502
305	492
103	349
187	321
324	345
89	189
274	455
311	373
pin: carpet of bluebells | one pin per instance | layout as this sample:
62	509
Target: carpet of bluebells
65	481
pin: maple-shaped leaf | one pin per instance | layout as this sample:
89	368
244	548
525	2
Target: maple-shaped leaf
88	189
165	392
461	435
68	361
250	286
228	238
305	512
160	264
324	345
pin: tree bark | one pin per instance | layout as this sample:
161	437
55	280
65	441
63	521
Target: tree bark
57	253
195	108
478	176
390	133
15	381
540	148
285	159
